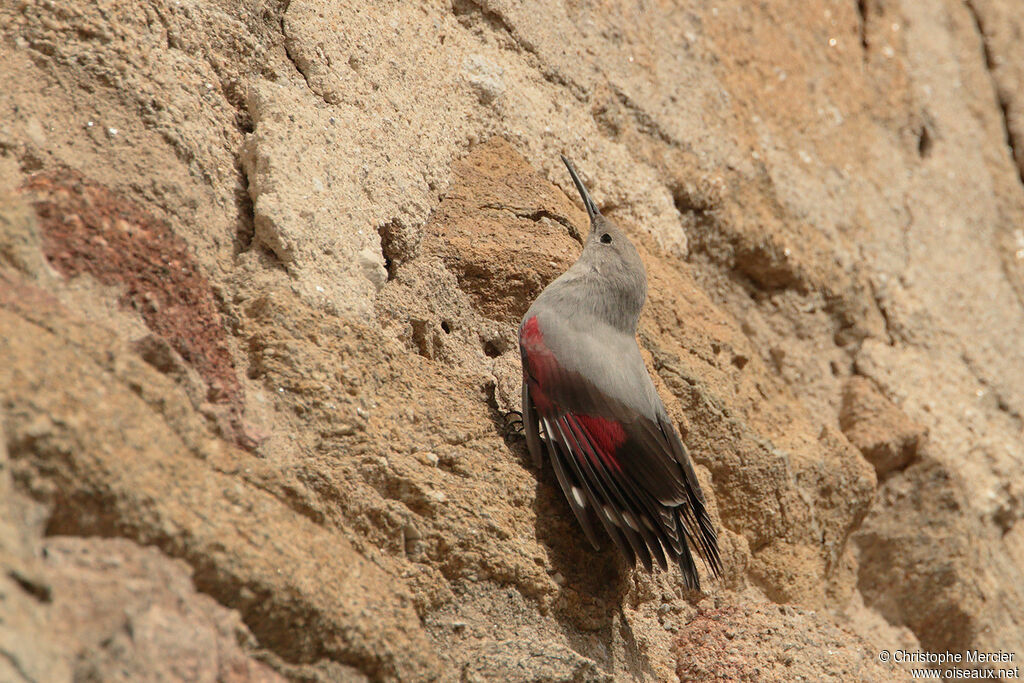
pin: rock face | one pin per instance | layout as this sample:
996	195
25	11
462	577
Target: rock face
881	431
261	269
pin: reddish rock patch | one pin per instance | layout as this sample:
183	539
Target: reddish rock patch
87	228
769	642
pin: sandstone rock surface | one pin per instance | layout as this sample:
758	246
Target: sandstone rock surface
261	268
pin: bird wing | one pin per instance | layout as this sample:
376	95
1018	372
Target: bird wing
629	468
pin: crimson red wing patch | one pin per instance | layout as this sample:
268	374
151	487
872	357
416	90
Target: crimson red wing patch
607	436
538	361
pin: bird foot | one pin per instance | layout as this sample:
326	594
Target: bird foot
513	424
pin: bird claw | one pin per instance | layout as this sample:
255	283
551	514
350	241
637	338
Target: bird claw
513	423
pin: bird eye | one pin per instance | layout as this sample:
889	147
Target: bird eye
606	239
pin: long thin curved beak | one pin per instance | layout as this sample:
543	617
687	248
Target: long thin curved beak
588	202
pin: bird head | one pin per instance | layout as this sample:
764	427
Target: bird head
609	266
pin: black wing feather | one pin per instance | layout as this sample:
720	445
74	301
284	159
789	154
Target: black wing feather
593	470
694	515
594	500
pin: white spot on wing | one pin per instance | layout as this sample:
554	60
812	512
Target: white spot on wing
610	514
631	521
577	495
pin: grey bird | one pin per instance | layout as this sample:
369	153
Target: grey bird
589	403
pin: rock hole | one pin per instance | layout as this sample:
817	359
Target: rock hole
690	200
387	247
245	222
862	11
924	142
34	586
492	349
740	361
446	326
159	353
